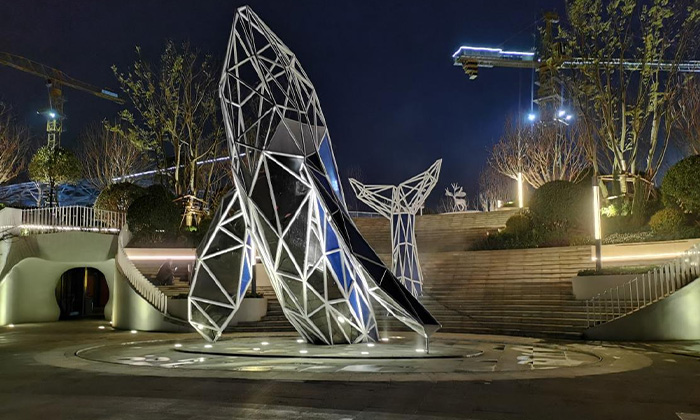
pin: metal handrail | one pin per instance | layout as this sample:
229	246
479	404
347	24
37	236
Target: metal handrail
138	281
52	219
644	290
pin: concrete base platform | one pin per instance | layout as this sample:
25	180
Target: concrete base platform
390	348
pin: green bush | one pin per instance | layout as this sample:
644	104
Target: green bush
519	224
629	238
153	217
118	197
562	206
668	221
505	240
680	185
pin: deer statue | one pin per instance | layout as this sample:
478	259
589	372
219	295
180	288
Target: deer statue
459	198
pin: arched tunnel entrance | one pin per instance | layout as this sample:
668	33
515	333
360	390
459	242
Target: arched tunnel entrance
82	293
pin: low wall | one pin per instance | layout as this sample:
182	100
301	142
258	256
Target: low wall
132	312
643	253
676	317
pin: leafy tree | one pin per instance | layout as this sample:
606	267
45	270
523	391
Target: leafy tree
176	119
681	185
119	196
625	111
54	167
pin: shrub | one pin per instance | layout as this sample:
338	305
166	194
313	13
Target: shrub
519	224
628	238
118	197
668	221
154	217
505	240
680	185
562	205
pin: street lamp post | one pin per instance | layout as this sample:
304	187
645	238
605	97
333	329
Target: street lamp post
596	223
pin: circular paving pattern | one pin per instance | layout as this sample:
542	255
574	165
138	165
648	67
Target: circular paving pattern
403	357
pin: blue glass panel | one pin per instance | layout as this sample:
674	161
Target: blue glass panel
245	276
348	278
331	238
321	212
355	303
327	158
336	264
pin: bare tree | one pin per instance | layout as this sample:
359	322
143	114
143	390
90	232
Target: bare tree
14	141
107	155
494	187
508	154
554	153
687	112
542	152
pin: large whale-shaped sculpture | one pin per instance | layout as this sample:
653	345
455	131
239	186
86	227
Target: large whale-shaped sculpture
287	206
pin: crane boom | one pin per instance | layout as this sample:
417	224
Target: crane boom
470	58
55	76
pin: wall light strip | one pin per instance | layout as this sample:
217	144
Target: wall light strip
161	257
640	257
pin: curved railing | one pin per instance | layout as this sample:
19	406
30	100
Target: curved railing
642	291
138	281
89	219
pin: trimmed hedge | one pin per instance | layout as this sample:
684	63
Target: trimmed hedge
519	224
118	197
154	217
680	185
668	221
562	205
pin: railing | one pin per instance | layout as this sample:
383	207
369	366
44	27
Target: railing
642	291
53	219
138	281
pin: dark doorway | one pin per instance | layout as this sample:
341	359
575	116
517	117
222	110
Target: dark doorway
82	293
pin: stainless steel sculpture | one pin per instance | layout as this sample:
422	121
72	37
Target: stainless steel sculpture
400	204
288	207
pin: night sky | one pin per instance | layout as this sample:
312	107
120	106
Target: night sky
383	71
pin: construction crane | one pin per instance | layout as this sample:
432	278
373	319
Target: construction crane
55	81
548	96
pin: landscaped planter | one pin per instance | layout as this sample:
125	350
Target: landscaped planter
251	310
586	287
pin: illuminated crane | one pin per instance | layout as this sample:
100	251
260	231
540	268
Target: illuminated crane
55	80
548	96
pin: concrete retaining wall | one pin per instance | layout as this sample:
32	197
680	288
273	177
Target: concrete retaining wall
675	318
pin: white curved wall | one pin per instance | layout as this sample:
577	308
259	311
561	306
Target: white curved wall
27	290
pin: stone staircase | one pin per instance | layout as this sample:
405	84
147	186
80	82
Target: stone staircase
274	321
180	287
513	292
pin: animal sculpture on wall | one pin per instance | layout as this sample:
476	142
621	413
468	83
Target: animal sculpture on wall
459	198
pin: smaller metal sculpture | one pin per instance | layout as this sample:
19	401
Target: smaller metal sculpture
458	197
400	204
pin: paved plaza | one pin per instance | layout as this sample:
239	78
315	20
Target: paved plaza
85	369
